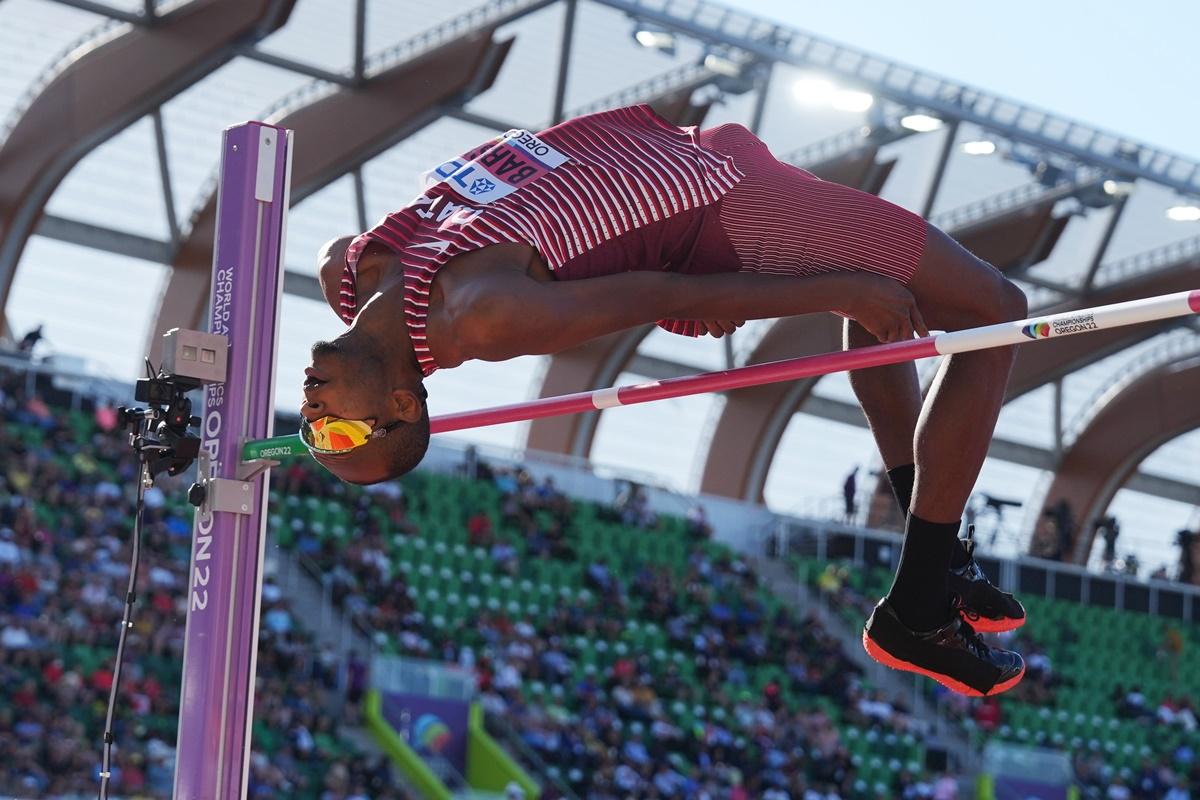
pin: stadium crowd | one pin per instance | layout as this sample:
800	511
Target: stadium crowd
66	507
527	672
1174	775
608	732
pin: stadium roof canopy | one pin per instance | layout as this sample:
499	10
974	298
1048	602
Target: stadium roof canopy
112	111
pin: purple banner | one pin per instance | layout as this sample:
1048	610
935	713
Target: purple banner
435	727
225	575
1025	789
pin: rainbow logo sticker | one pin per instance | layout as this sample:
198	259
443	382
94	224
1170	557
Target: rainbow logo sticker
431	734
1038	330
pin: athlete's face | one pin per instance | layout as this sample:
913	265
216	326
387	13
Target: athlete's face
350	381
339	384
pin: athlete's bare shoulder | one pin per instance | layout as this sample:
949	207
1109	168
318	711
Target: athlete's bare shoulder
516	256
466	279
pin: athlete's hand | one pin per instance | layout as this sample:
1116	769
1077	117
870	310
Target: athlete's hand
718	328
885	308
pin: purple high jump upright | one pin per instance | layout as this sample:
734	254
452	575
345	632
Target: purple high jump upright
225	574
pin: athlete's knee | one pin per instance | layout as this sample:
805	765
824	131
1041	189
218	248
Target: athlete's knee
1012	301
957	289
1001	301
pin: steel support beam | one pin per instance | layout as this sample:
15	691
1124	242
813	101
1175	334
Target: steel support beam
108	240
105	88
1110	228
1156	408
104	10
760	100
564	61
753	421
292	65
360	41
1052	360
482	120
592	365
939	171
164	174
360	198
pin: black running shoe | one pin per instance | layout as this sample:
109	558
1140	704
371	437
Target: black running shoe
953	655
984	607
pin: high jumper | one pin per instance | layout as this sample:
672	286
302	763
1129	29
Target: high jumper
533	243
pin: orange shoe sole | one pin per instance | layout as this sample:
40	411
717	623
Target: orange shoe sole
877	653
983	625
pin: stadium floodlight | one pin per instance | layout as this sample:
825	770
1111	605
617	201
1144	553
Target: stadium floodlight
1184	213
982	147
812	90
1114	187
654	38
852	100
921	123
722	65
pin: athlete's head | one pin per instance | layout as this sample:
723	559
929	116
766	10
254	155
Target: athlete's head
353	378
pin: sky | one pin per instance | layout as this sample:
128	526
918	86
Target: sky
1122	66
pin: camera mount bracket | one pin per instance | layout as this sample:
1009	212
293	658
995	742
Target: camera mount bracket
234	495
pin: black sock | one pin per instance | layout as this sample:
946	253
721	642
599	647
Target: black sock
902	479
920	593
959	556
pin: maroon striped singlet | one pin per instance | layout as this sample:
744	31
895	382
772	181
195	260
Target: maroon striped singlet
624	190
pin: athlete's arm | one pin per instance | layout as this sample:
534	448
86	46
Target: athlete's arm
506	314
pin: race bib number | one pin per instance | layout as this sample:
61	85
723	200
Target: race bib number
518	159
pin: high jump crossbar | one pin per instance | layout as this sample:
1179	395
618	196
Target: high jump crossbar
1024	331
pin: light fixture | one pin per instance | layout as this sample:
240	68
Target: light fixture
812	91
722	65
983	147
1049	175
1117	188
654	38
817	91
852	100
1188	213
921	123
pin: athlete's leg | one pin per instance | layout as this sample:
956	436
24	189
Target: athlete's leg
819	227
954	289
891	400
915	627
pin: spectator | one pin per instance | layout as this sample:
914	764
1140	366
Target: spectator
989	714
30	340
698	526
850	496
1185	540
479	530
504	556
1109	530
1133	705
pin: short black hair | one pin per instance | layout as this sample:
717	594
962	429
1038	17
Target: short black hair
405	446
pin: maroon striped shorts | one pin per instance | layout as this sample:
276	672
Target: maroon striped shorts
783	220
